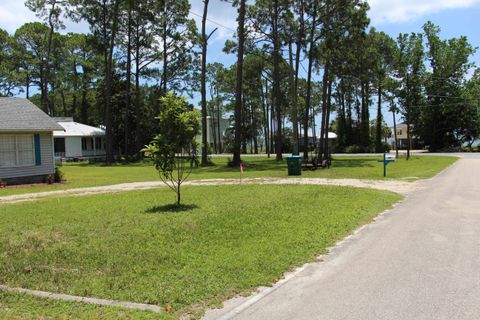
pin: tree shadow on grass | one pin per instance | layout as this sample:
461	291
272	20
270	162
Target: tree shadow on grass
172	208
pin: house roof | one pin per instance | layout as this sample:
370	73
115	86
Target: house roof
331	135
75	129
17	114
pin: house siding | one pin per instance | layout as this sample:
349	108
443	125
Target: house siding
73	147
47	166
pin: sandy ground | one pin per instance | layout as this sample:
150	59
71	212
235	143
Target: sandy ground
401	187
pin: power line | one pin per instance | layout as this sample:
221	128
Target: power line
214	22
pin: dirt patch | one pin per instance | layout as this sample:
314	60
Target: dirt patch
402	187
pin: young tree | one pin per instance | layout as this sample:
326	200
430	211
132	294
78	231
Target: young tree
174	149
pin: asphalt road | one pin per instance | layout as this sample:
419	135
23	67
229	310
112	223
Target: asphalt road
420	260
402	152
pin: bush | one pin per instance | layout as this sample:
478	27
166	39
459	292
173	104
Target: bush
386	147
59	176
355	148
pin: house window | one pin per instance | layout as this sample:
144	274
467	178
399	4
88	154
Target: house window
87	144
98	144
59	145
17	151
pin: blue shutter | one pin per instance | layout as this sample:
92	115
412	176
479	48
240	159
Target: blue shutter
38	151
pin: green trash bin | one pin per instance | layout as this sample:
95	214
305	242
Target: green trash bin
294	164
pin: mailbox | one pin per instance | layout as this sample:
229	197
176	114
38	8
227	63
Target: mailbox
390	157
387	158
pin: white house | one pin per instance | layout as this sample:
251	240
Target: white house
402	138
216	133
78	141
26	136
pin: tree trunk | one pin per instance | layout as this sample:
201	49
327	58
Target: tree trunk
325	83
203	86
165	51
298	48
27	85
50	107
265	118
272	128
178	194
326	155
138	117
84	103
244	117
378	133
276	79
395	132
45	100
129	79
219	117
308	96
293	101
213	128
75	89
254	133
64	104
239	84
409	141
364	125
108	87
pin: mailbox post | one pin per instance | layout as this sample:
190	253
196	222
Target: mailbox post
386	160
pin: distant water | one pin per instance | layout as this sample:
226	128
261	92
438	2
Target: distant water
475	143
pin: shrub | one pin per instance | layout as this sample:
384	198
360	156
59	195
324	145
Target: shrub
355	148
59	176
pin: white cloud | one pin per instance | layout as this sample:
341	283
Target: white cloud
398	11
13	14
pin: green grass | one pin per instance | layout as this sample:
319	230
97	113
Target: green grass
87	175
24	307
133	247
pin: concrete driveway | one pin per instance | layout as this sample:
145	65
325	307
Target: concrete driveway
421	260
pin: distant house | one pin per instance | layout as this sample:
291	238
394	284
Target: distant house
332	137
26	142
402	138
216	133
78	141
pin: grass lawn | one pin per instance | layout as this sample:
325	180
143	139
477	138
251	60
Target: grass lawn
87	175
24	307
127	246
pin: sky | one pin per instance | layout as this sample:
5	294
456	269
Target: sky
455	17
